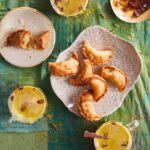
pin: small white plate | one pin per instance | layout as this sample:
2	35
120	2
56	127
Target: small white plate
32	20
124	57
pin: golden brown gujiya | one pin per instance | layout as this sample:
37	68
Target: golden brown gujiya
98	85
65	68
21	38
41	42
86	70
97	57
115	75
86	106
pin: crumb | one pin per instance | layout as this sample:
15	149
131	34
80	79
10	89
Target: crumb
20	21
54	126
48	116
43	137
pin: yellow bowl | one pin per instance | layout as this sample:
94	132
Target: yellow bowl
27	104
69	7
119	137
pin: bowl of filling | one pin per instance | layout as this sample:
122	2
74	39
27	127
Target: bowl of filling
131	11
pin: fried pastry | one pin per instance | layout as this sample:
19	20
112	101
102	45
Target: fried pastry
65	68
86	70
115	75
96	57
98	85
21	38
41	42
86	106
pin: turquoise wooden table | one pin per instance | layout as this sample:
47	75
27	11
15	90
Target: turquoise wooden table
60	129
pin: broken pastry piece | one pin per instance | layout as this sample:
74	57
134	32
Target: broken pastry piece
97	57
115	75
41	42
65	68
21	38
98	85
86	70
24	39
86	106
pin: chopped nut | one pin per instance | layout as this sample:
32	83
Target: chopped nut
124	144
104	17
104	145
12	98
116	25
41	101
53	125
113	123
61	9
23	108
48	116
80	8
20	88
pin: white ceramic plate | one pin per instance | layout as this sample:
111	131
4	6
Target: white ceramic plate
125	57
35	22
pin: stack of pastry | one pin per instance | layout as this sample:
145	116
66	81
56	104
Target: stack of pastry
83	74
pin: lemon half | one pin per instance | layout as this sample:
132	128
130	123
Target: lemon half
27	104
119	137
69	7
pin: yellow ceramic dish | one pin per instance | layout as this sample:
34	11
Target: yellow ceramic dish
27	104
69	7
119	137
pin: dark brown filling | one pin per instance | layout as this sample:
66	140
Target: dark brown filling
139	6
